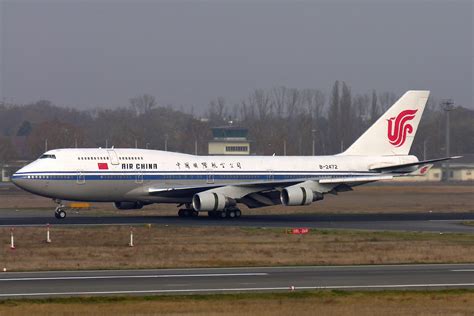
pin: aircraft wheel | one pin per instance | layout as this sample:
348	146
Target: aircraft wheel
184	213
231	213
221	214
238	213
194	213
60	214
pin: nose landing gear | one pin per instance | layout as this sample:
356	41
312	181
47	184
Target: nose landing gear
60	212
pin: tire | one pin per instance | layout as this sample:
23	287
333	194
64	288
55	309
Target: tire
231	214
61	214
221	214
194	213
238	213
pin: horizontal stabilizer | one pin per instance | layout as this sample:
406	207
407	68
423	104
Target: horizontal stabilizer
409	167
422	170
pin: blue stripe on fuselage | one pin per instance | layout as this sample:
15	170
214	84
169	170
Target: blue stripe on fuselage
183	176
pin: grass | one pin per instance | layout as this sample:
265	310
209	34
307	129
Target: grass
364	199
105	247
443	302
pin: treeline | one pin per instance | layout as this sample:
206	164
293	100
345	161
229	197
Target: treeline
284	119
280	120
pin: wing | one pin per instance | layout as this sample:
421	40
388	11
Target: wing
266	193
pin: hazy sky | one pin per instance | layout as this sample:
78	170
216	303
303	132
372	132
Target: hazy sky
101	53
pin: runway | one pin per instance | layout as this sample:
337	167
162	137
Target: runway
225	280
429	222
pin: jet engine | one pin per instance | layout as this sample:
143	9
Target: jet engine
128	205
299	195
211	201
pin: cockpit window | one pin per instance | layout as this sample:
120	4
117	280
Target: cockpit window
47	156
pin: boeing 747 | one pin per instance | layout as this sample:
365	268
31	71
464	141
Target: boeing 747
133	178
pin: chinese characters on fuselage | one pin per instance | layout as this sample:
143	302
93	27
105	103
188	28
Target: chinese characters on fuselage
206	165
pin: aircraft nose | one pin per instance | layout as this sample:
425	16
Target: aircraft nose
14	179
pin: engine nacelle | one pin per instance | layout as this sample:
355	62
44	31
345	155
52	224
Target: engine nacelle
211	201
299	195
128	205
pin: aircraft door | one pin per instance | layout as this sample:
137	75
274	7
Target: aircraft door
139	178
81	179
113	157
270	176
210	177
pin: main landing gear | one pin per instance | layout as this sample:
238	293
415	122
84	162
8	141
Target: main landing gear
231	212
188	212
60	212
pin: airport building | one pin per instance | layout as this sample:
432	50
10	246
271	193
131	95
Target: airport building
433	175
229	140
460	171
7	169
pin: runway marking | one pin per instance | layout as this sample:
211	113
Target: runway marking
446	220
134	276
463	270
331	287
321	268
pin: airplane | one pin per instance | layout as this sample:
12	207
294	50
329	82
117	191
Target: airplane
132	178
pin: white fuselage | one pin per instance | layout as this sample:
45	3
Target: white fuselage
111	175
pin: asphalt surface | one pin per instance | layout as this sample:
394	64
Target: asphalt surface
430	222
210	280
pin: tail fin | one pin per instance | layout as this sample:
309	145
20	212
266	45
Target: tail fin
394	131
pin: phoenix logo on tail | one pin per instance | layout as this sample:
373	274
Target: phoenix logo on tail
397	133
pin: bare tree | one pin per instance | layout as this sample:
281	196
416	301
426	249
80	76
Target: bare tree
386	100
143	104
217	110
279	98
374	110
334	118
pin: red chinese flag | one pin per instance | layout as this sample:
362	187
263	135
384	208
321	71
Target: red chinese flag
103	166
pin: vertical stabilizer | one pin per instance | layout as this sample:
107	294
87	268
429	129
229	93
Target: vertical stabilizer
394	131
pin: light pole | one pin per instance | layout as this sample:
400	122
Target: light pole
448	106
166	142
424	149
